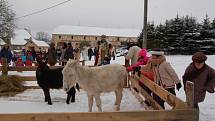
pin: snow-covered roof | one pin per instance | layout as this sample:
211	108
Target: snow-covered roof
2	42
20	36
83	30
40	43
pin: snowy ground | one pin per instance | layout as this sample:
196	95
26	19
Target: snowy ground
32	100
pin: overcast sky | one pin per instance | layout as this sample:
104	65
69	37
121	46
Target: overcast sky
105	13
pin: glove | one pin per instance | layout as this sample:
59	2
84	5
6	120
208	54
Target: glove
178	86
210	89
137	69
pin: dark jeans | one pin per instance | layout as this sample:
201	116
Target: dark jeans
196	105
159	100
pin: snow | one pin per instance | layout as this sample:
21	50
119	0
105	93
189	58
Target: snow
33	100
40	43
20	36
2	42
83	30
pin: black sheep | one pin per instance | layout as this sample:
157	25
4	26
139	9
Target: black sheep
52	79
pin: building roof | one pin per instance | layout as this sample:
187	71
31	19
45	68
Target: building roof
22	35
40	43
2	42
83	30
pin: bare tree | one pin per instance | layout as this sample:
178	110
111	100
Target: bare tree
43	36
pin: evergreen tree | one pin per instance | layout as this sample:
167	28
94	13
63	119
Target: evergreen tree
213	24
7	21
205	30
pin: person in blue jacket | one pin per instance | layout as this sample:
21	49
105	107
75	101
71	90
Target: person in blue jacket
6	53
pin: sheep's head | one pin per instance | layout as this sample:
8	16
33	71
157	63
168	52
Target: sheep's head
69	74
42	65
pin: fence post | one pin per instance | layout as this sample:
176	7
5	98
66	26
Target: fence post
190	94
83	63
127	84
4	66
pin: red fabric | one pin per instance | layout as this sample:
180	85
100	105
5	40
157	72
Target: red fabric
142	60
28	63
148	74
96	60
138	63
19	62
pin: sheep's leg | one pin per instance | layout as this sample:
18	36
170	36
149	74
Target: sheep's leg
98	102
47	96
90	102
118	98
71	93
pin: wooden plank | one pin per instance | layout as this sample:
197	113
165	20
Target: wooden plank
22	68
149	98
190	94
32	87
171	99
168	115
26	78
137	96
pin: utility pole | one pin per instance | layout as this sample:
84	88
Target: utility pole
145	24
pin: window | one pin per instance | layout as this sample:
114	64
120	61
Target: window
59	37
117	38
96	38
84	37
72	37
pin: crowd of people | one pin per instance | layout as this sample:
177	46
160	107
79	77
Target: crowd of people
102	54
23	58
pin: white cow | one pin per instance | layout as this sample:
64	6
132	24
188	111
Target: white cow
95	80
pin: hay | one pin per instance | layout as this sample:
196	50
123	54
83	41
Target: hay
10	85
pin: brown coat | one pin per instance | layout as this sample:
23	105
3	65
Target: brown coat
204	80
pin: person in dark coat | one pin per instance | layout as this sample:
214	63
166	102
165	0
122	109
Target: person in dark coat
52	55
34	54
69	52
90	53
96	53
6	53
202	75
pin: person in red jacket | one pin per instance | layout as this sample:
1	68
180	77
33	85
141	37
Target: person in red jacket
29	59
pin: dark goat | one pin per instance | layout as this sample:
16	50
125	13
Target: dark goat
52	79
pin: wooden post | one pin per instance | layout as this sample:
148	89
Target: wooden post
4	66
126	83
83	63
190	94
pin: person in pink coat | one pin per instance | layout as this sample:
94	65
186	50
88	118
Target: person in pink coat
142	60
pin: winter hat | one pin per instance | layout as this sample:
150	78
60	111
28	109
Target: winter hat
142	53
199	57
157	52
